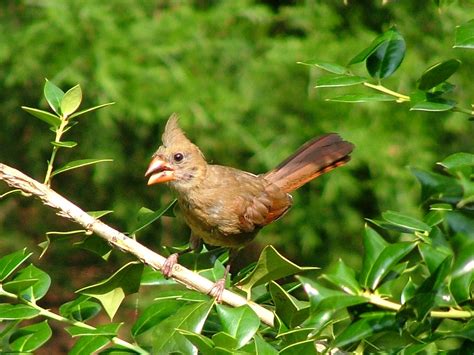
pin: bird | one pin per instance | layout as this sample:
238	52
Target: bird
227	207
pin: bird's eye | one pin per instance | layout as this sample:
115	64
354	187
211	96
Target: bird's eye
178	157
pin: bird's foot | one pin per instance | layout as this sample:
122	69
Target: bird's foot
217	290
170	262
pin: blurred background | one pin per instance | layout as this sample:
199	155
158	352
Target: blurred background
229	68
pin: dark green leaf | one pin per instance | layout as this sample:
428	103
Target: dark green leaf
225	341
262	347
433	256
39	289
49	118
406	222
202	343
302	347
458	161
364	328
330	67
65	144
374	244
343	278
78	164
109	330
437	74
388	56
364	54
113	290
17	286
191	318
87	110
53	95
438	186
329	81
30	338
96	245
9	263
71	100
151	277
80	309
288	308
17	311
89	345
154	314
270	266
241	322
356	98
463	274
465	35
145	216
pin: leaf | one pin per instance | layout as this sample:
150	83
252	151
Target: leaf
463	273
241	322
329	81
270	266
17	286
438	186
388	55
99	214
407	222
53	95
113	290
17	311
53	120
39	288
364	328
155	313
91	109
9	263
343	278
225	341
262	347
465	35
355	98
145	216
78	164
437	74
435	105
30	338
96	245
302	347
202	343
191	318
386	260
458	161
374	244
89	345
71	100
80	309
330	67
64	144
109	330
288	308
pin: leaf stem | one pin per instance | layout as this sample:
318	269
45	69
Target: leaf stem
400	97
382	302
59	133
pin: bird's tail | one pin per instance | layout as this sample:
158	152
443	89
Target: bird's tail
316	157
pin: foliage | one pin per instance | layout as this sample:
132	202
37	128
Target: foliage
412	293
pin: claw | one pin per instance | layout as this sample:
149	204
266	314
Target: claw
167	268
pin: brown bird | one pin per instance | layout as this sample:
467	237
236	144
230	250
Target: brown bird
227	207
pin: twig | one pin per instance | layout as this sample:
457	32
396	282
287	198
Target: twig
67	209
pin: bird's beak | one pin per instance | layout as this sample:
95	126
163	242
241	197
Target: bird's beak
159	171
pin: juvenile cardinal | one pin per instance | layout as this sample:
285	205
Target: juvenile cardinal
225	206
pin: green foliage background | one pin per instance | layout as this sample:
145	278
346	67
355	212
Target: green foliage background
229	69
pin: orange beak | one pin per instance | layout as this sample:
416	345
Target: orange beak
159	171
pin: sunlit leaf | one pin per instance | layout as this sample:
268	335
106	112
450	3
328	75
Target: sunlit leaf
356	98
329	67
329	81
109	330
407	222
30	338
91	109
37	290
240	322
374	244
343	277
49	118
435	105
17	311
465	35
89	345
78	164
202	343
17	286
9	263
53	95
71	100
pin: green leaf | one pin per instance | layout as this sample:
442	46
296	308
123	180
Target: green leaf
364	328
438	73
465	35
87	110
388	55
241	322
374	244
191	318
386	260
80	309
406	222
78	164
343	278
270	266
458	161
355	98
438	186
288	308
202	343
330	67
329	81
65	144
109	330
113	290
99	214
30	338
53	95
9	263
53	120
433	256
435	105
225	341
145	216
96	245
262	347
71	100
89	345
463	274
17	286
302	347
158	311
17	311
39	289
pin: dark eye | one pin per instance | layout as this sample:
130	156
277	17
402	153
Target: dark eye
178	157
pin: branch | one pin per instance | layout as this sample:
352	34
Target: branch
67	209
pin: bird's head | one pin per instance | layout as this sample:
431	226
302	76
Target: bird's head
178	160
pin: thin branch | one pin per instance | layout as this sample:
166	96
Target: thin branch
67	209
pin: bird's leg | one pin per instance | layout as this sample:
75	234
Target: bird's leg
167	268
218	289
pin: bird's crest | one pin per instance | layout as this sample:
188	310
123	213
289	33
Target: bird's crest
173	133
